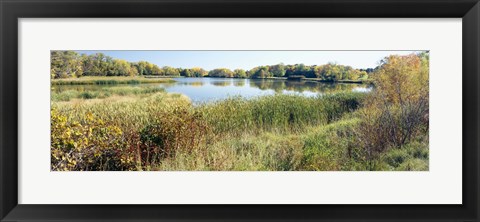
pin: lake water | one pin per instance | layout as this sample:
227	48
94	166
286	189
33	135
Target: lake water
210	89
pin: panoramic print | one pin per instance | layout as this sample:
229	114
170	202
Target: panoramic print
239	110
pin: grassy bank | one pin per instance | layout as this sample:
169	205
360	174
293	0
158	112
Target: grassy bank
161	131
103	93
102	80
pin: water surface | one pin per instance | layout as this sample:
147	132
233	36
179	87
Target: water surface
201	90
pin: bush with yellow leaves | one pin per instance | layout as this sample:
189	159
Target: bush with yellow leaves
89	144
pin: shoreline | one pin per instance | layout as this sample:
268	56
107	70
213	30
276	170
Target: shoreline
109	80
114	80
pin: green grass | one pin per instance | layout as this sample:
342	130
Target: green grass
163	131
102	80
278	112
102	93
412	156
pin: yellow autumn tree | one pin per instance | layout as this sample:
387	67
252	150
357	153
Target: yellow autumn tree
398	111
402	79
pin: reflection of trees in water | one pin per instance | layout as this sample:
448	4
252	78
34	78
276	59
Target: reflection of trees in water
239	83
264	84
301	86
221	83
195	84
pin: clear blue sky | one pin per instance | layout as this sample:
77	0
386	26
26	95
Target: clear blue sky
249	59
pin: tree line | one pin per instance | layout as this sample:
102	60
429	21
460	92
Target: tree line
70	64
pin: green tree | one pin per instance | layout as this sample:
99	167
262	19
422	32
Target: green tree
260	72
97	64
142	67
198	72
123	68
186	73
170	71
240	73
65	64
301	69
221	72
278	70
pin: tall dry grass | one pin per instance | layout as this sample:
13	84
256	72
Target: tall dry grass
162	131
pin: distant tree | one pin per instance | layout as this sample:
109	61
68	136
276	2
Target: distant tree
301	69
278	70
186	73
65	64
367	70
141	67
98	64
155	70
170	71
240	73
221	72
334	72
194	72
260	72
123	68
289	70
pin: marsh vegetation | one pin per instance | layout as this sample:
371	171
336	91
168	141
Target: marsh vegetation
123	123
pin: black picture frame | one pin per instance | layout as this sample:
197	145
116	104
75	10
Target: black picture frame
12	10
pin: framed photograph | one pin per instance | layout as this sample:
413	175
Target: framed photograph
225	110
